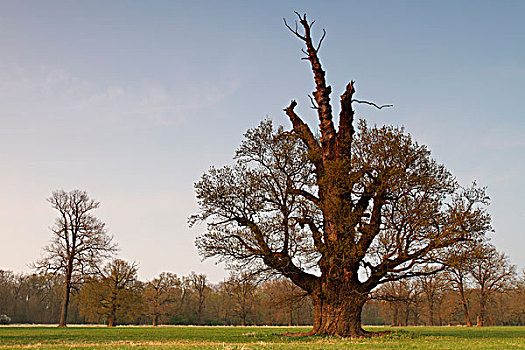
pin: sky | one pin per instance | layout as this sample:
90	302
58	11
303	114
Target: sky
133	101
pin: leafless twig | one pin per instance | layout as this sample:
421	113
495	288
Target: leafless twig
372	104
314	106
320	41
296	30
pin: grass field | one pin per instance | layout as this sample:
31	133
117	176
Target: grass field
254	338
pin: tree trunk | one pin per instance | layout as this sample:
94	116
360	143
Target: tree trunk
431	312
395	315
407	314
112	319
339	314
65	304
482	302
65	298
199	311
464	303
154	323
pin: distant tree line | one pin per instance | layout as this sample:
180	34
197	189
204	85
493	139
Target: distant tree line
479	287
117	296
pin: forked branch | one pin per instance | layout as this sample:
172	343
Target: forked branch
322	91
314	106
303	131
296	30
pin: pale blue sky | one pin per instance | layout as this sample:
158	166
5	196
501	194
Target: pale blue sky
133	101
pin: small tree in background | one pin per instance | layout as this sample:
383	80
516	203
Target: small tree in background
115	291
402	298
491	272
458	261
160	295
433	288
79	242
241	287
286	300
199	285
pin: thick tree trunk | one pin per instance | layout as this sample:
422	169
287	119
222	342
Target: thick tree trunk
339	314
154	323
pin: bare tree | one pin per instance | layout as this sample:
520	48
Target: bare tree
160	293
339	214
433	287
241	286
79	242
403	297
517	304
491	272
458	261
115	289
199	285
286	297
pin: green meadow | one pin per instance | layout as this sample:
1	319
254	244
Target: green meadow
73	337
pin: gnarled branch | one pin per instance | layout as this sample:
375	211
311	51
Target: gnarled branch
304	132
305	194
322	92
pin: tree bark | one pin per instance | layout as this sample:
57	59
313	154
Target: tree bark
199	313
65	304
464	303
65	298
338	313
482	302
112	319
431	314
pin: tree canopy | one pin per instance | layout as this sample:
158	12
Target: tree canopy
337	214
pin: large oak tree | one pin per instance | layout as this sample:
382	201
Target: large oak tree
337	214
